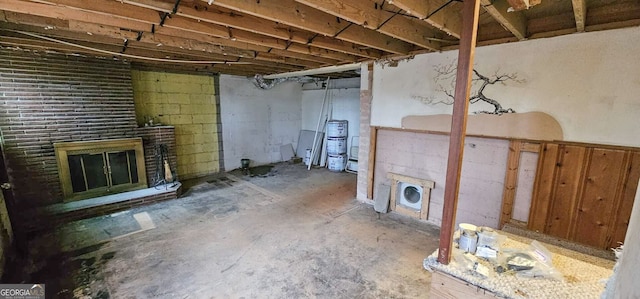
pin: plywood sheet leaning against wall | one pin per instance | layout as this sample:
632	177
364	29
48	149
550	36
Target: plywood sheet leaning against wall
529	125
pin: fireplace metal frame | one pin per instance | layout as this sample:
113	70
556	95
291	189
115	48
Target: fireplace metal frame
64	149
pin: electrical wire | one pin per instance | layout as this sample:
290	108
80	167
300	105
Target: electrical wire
128	55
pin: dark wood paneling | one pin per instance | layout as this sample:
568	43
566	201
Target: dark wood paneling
565	197
623	212
543	187
584	193
510	182
596	207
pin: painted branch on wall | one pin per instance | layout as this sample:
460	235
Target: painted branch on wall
444	81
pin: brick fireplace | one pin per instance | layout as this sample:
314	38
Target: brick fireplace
52	99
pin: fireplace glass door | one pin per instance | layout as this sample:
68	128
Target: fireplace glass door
102	170
95	168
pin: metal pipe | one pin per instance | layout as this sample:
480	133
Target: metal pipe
318	71
315	136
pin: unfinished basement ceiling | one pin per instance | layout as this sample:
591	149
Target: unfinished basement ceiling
248	37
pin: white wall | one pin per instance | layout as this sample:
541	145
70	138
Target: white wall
590	82
256	122
344	104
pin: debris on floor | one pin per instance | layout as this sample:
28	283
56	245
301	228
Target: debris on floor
297	234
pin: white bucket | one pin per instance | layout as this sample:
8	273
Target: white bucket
337	128
336	162
336	145
307	157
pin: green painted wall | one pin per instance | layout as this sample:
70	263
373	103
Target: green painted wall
188	103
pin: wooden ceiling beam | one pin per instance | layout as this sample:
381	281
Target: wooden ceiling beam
371	16
292	54
116	32
437	13
515	22
580	13
162	35
184	46
142	49
205	13
300	16
152	17
59	12
248	69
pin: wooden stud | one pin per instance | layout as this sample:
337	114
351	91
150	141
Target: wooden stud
510	182
530	147
372	161
446	18
363	13
470	13
393	200
580	13
300	16
515	22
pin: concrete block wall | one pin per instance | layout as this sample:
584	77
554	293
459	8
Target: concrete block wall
187	102
424	156
257	121
365	132
47	98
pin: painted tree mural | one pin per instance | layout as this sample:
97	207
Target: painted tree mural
445	84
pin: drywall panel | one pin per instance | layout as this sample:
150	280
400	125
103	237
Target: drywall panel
588	82
256	122
342	104
424	156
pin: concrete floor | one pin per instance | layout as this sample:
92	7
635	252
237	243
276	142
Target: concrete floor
292	234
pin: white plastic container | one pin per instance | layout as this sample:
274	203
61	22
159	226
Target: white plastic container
307	157
336	163
337	128
336	145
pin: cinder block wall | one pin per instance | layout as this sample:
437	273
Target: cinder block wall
48	98
424	156
258	121
187	102
365	132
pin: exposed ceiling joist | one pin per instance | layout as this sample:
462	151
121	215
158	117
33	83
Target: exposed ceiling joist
365	13
173	28
205	13
288	35
224	31
518	5
515	21
300	16
438	13
580	13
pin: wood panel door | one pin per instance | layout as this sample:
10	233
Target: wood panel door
584	193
